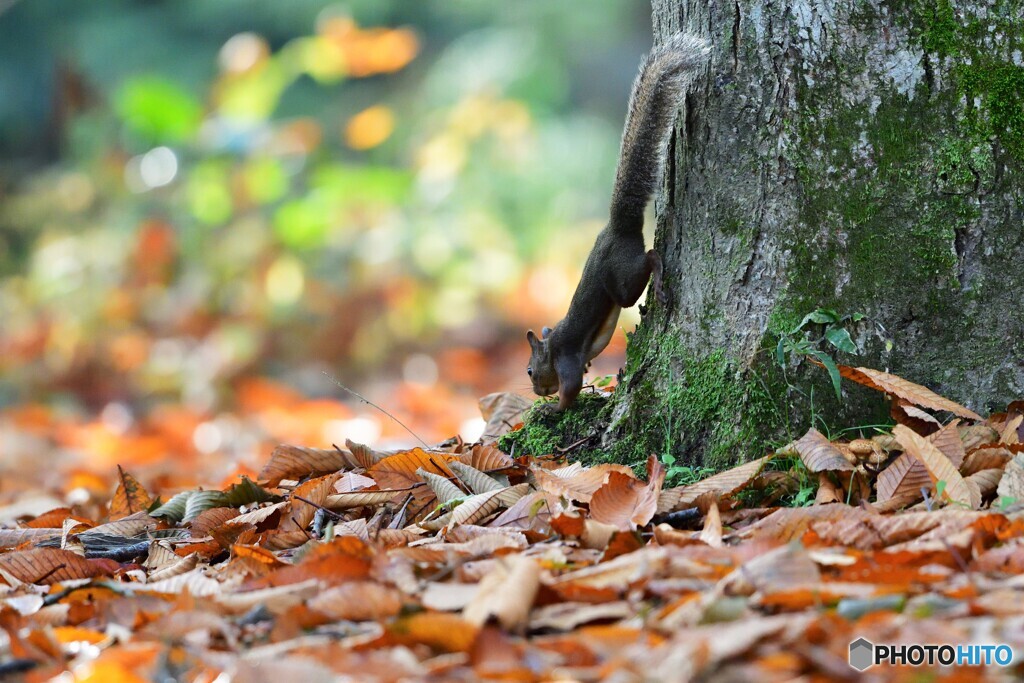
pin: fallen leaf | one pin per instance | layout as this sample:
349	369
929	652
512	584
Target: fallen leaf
578	484
723	484
908	391
818	453
506	593
129	498
939	468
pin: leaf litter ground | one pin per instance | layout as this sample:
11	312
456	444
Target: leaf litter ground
462	563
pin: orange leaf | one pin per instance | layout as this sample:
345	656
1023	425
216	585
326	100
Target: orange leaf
73	634
51	565
301	513
289	462
439	630
398	471
575	483
908	391
129	498
626	503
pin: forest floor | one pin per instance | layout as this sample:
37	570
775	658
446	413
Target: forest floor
461	562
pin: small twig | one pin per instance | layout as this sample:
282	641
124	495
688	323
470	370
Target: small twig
571	446
398	520
959	560
327	511
50	573
371	403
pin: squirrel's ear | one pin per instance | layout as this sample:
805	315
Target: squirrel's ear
531	337
545	331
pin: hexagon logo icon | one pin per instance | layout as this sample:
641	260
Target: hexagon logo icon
862	654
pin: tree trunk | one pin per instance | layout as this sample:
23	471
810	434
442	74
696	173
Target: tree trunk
858	155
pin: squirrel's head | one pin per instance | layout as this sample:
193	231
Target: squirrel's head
542	367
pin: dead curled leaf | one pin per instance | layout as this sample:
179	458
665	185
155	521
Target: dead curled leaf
940	469
819	454
723	484
626	503
506	593
906	390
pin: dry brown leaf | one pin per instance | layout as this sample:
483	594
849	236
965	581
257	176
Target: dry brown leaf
47	566
724	484
502	411
780	568
906	413
711	534
196	583
10	538
180	566
975	436
788	524
300	512
478	507
626	503
364	456
908	391
986	458
445	491
506	593
211	519
136	524
129	498
489	458
358	601
449	597
575	483
1012	483
819	454
258	515
566	616
987	481
948	441
276	599
1008	435
357	499
827	491
939	468
477	481
351	482
532	511
292	462
901	482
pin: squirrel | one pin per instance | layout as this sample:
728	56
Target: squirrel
619	266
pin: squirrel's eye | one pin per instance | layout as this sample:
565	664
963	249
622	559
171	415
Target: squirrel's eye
529	371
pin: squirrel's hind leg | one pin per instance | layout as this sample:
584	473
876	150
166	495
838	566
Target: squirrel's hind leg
628	283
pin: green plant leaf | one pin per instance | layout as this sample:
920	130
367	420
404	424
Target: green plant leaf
821	316
780	351
833	370
158	110
840	338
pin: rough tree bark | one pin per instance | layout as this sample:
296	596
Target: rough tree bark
860	155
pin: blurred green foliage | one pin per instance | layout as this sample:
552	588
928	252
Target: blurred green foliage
191	191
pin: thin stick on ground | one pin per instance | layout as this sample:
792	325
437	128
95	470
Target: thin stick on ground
371	403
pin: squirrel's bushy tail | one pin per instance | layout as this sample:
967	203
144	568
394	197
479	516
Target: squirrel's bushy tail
657	90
